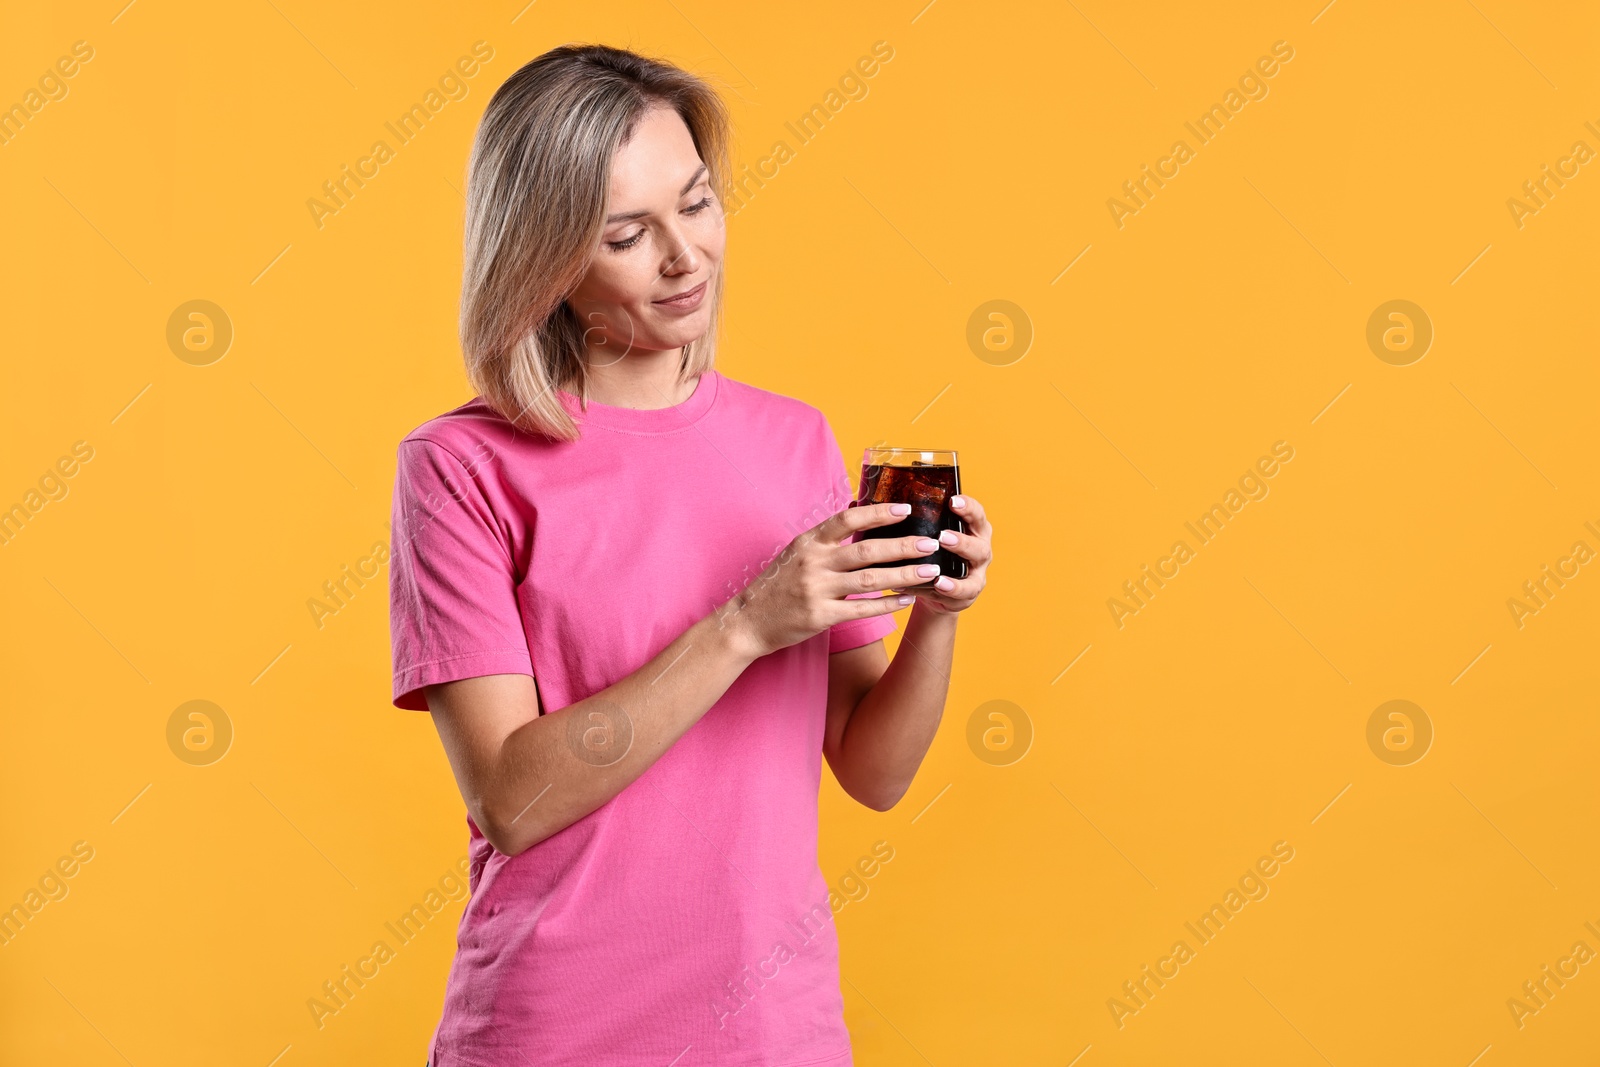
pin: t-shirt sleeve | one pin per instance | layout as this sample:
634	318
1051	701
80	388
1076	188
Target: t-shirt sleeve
453	609
852	633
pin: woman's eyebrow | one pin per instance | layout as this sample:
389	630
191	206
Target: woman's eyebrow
690	184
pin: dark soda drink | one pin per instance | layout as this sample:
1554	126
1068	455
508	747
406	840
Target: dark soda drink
924	478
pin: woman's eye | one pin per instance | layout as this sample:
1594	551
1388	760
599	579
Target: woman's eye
692	209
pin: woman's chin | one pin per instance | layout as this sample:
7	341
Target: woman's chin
681	331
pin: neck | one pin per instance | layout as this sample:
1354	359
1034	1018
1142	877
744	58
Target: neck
640	380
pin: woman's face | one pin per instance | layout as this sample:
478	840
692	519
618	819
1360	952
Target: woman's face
664	236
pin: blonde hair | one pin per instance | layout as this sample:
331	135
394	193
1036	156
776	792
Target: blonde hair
537	190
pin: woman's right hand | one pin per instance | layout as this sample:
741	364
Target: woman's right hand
803	590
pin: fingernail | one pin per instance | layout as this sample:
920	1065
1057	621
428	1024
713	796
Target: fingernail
957	502
899	509
944	585
904	600
927	544
927	570
948	537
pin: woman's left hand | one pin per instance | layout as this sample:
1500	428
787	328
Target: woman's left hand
946	595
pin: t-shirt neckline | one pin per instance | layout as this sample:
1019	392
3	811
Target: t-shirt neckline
648	420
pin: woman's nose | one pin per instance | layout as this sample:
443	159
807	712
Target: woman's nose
684	259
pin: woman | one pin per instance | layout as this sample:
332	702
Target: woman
634	703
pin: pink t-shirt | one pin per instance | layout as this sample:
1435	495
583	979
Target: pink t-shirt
685	921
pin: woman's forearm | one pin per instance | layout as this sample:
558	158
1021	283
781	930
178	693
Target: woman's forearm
558	767
894	722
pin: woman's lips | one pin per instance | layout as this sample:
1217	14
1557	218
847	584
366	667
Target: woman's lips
685	301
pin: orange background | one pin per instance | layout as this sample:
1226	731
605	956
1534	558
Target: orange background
1029	880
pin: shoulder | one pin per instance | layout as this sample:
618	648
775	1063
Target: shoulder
774	411
470	432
